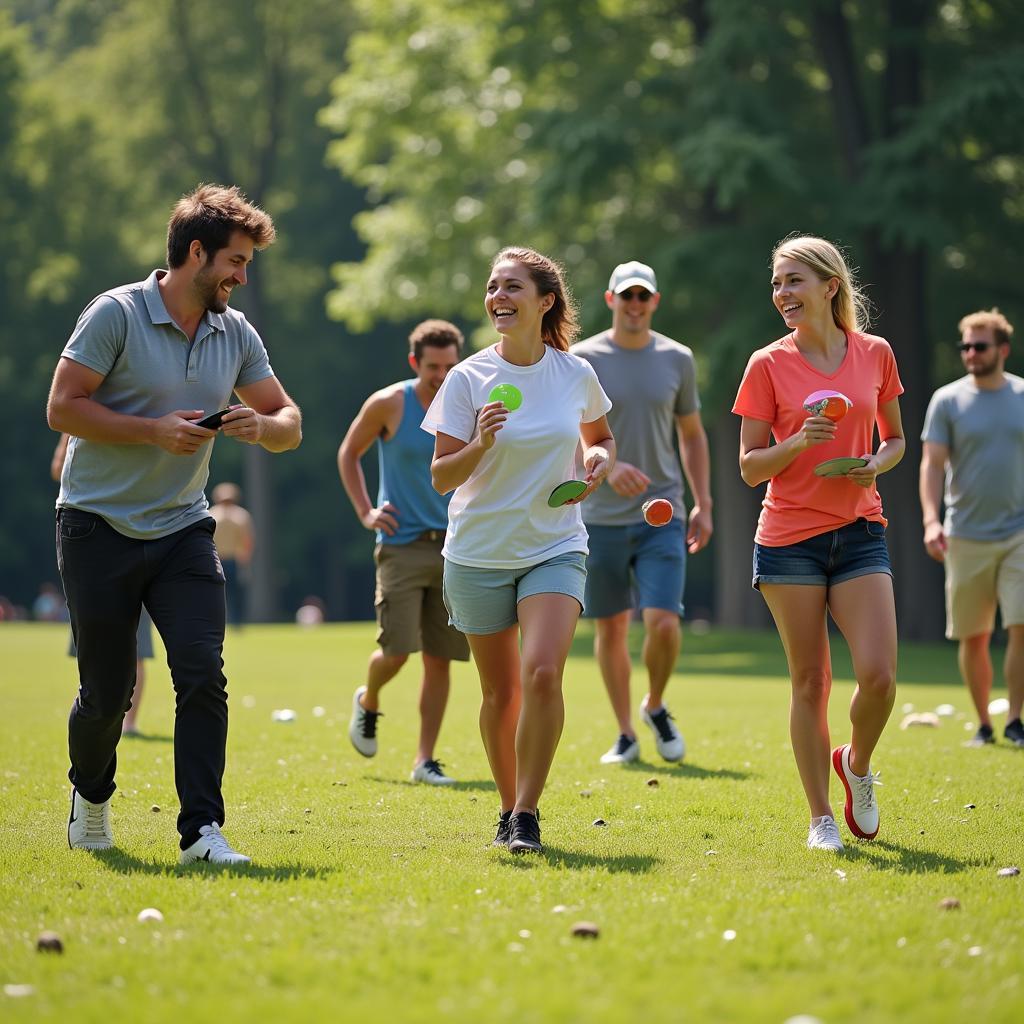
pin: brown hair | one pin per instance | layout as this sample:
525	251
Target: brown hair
1002	329
850	306
209	215
435	334
560	324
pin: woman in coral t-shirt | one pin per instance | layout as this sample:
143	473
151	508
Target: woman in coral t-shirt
820	542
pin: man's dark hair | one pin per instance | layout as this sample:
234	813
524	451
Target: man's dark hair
436	334
209	215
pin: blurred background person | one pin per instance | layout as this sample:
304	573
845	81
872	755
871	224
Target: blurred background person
234	539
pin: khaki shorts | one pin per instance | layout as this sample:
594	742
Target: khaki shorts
979	575
411	615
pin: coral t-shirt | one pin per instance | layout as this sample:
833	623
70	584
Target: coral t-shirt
798	504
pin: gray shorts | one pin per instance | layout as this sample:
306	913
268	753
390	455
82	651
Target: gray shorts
483	601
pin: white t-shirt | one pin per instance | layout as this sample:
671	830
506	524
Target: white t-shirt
499	518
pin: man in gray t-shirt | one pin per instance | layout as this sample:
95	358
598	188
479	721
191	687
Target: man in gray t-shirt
145	365
652	383
973	457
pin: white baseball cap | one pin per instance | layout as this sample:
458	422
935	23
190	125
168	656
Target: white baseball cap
625	275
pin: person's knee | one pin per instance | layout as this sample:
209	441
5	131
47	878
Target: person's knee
663	630
977	644
542	680
812	685
106	705
197	668
498	699
878	682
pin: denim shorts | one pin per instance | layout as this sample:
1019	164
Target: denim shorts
636	566
482	601
857	549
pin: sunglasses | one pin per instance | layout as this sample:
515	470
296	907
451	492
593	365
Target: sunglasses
975	346
640	296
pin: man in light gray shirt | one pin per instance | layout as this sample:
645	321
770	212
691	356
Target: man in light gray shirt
974	445
652	383
146	364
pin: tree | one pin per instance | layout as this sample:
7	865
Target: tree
693	134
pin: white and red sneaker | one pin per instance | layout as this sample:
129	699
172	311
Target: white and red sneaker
861	808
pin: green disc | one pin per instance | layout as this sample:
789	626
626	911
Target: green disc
507	393
566	491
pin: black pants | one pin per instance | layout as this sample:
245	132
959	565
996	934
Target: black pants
107	579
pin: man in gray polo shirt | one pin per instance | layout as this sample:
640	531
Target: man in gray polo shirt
145	363
652	383
973	442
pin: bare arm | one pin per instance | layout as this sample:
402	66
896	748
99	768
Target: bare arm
696	460
269	417
373	421
934	458
454	459
598	454
72	410
890	451
760	462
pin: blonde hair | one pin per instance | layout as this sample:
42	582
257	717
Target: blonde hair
850	306
1002	329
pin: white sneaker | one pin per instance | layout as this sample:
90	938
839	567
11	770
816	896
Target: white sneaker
824	835
625	750
89	824
861	810
668	739
362	726
213	847
430	772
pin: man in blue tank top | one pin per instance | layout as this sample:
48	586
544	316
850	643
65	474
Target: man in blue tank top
410	519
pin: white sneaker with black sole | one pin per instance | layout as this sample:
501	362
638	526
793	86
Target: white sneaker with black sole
626	749
89	824
667	737
212	847
431	773
362	726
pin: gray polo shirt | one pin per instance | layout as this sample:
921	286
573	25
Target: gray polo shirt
149	369
984	432
648	387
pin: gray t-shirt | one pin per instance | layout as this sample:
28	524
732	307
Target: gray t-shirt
984	432
649	388
149	369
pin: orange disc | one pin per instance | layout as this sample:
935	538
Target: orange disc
657	511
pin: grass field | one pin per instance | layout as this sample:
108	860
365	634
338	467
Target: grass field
374	899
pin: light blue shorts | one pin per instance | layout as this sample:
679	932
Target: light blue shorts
482	601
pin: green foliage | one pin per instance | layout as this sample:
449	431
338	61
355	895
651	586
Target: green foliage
375	900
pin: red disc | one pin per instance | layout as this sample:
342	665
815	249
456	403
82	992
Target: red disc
657	511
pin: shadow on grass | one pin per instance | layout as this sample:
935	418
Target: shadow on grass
128	864
687	770
460	785
885	855
556	857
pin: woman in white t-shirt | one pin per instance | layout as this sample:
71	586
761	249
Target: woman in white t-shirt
514	564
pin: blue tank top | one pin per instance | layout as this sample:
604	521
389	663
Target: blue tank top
405	476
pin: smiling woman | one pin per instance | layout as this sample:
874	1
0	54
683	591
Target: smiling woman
507	423
820	542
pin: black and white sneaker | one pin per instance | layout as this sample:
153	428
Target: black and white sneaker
89	824
982	738
431	773
1014	732
524	833
362	726
626	749
667	737
504	829
212	847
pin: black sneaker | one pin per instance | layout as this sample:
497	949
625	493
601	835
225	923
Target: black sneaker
1014	732
524	833
983	736
504	828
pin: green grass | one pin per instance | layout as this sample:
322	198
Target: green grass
372	899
